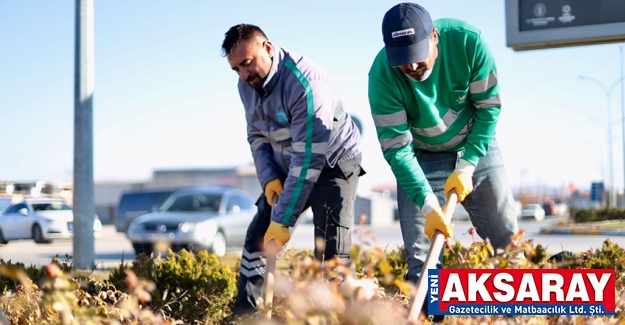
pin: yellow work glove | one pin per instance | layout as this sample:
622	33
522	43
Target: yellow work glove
279	233
434	218
461	179
273	188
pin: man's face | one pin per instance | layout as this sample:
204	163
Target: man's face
420	71
252	61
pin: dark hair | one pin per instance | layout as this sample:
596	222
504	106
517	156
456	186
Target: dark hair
238	33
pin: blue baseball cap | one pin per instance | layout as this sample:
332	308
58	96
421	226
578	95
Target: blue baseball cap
406	29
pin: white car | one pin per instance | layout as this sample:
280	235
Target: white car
533	211
40	219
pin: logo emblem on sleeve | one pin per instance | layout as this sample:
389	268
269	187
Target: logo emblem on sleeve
281	116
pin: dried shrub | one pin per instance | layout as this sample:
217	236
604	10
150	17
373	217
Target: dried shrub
609	256
185	288
379	294
60	298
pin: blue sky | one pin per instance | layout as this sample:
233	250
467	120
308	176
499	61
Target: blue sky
166	98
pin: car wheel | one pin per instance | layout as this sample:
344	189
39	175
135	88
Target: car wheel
2	239
218	247
145	248
38	235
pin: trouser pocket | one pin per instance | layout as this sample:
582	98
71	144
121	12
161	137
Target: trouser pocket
350	167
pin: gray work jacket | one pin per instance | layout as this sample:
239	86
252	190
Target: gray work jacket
297	129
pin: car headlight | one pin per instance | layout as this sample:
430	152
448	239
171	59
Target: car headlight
186	226
206	228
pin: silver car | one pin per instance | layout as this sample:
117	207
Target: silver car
40	219
211	218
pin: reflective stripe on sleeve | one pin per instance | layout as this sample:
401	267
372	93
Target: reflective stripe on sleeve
318	148
489	102
310	173
396	142
481	86
394	119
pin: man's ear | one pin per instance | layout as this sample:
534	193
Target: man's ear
435	35
268	47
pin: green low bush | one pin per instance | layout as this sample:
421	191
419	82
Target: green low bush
188	286
594	215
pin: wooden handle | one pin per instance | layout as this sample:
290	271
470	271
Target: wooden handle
272	251
430	262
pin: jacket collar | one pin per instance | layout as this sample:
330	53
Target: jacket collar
276	65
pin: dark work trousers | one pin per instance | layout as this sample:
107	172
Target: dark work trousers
332	203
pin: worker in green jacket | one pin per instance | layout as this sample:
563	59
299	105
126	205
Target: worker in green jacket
435	102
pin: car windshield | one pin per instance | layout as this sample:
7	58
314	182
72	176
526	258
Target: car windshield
192	203
533	207
50	206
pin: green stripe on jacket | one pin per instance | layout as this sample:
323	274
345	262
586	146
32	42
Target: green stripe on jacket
310	117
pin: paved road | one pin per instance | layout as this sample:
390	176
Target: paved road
112	245
390	236
109	248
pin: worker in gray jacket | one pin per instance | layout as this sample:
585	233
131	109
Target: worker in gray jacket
305	149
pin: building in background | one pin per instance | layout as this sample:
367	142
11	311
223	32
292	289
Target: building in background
37	188
243	178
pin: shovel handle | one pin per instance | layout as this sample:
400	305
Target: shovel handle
430	262
272	251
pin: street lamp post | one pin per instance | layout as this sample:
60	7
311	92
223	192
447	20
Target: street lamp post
608	93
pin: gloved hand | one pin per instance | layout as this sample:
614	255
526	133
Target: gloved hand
461	179
274	187
279	233
434	218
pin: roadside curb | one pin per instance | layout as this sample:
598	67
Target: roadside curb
586	232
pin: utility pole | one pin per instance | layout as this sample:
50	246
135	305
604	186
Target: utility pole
622	114
83	191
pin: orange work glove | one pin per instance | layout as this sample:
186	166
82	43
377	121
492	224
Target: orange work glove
279	233
461	179
434	218
274	187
